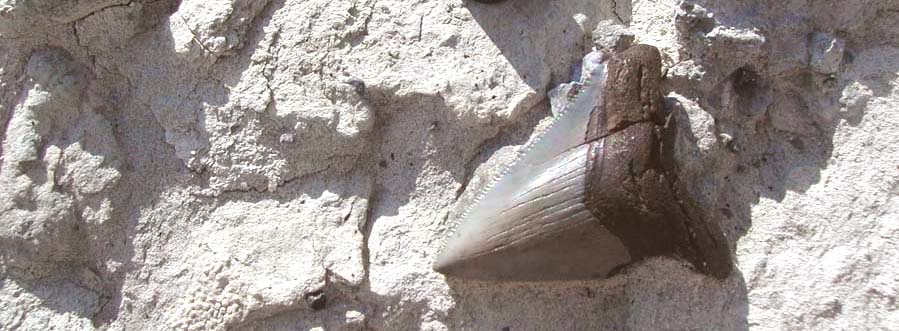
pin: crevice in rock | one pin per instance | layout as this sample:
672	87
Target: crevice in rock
195	37
126	4
615	12
374	197
366	230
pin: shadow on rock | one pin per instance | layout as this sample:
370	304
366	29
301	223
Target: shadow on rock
544	40
649	295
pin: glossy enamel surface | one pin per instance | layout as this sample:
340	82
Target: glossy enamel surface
531	223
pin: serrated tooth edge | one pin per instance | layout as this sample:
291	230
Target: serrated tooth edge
524	150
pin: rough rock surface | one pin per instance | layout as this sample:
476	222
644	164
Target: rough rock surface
295	165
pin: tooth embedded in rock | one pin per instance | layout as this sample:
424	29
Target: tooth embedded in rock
531	223
596	190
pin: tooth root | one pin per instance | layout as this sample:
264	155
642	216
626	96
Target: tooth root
633	185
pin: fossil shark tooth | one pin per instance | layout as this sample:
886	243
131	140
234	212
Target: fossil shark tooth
595	191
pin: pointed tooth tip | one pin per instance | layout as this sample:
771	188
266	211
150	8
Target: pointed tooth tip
445	264
440	266
451	261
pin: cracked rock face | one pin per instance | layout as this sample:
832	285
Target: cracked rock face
295	165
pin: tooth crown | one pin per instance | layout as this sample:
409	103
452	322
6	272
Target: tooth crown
536	200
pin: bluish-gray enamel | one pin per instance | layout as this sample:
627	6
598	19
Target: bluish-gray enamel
538	196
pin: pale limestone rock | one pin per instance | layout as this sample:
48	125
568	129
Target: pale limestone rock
61	163
206	164
213	28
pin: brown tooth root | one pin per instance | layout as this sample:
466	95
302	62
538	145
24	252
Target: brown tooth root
597	190
632	185
632	94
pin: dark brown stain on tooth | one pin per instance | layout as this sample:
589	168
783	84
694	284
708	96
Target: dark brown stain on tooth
632	184
632	92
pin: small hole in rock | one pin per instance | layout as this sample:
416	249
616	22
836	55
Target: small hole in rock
316	300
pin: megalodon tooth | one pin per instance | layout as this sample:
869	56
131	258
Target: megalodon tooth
595	191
